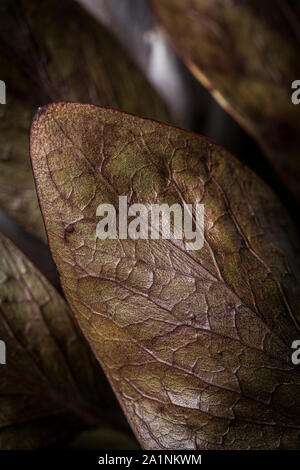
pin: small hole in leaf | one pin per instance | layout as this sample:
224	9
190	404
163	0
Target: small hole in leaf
70	228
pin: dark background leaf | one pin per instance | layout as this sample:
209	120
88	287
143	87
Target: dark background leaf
51	386
53	50
246	54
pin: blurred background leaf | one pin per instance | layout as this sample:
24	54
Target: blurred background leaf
246	54
50	51
51	384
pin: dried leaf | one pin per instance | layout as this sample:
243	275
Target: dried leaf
247	54
52	50
50	385
197	344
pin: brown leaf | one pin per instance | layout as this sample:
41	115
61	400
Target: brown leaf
50	386
49	51
197	344
247	54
